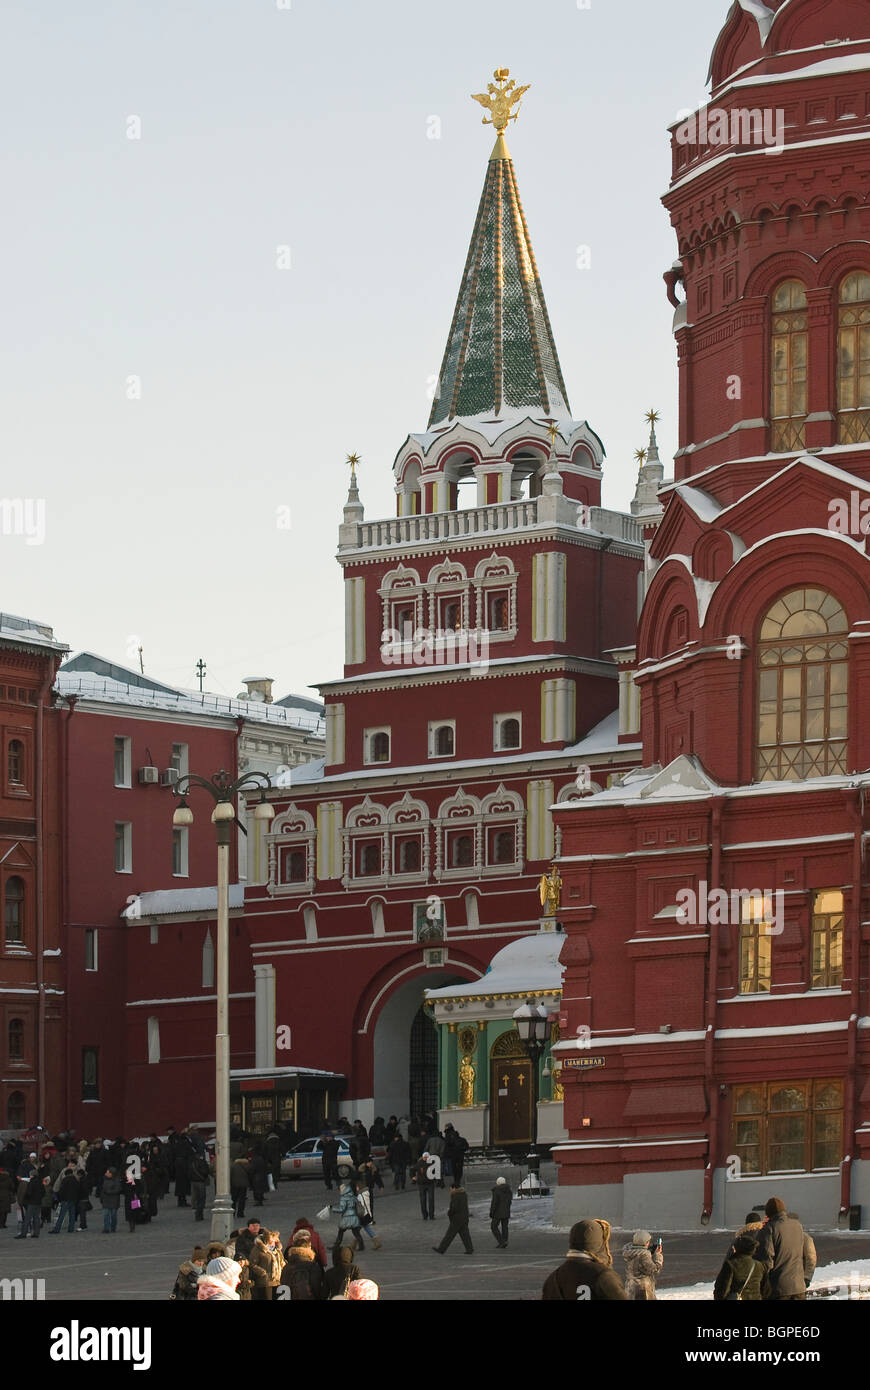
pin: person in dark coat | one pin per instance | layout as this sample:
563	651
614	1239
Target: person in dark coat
435	1144
360	1144
500	1212
398	1157
780	1251
200	1173
245	1239
84	1204
110	1197
329	1158
185	1287
457	1217
31	1202
455	1149
741	1276
302	1274
152	1183
587	1273
259	1176
5	1196
239	1183
67	1192
343	1272
273	1151
96	1164
133	1191
425	1187
181	1171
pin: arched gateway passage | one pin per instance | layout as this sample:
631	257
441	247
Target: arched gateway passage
405	1048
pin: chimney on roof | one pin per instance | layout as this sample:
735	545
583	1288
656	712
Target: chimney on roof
259	688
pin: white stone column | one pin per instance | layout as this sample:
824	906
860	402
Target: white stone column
264	1015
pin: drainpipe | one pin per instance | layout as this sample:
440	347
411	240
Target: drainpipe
856	808
44	690
240	724
710	1017
63	801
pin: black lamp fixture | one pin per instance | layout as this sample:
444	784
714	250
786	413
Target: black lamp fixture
533	1025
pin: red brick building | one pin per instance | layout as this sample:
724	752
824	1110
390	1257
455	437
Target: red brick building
712	1039
32	998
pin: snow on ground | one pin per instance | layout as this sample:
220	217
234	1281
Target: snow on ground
845	1279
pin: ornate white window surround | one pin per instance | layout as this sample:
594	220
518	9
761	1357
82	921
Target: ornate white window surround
408	819
497	572
293	829
368	821
501	809
448	581
401	585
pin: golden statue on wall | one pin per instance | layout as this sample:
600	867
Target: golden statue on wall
466	1082
550	891
558	1093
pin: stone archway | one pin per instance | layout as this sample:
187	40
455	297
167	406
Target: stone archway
393	1041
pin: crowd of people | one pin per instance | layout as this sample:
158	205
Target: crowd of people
771	1259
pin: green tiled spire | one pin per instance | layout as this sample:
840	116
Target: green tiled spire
500	355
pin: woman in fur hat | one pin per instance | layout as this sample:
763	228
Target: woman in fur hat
302	1274
186	1283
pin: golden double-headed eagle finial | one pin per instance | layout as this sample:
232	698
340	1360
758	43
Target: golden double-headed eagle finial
498	99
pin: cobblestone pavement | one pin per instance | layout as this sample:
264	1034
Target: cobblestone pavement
142	1266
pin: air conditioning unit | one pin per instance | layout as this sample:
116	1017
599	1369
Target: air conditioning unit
169	777
147	775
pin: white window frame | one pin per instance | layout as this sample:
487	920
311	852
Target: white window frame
180	837
127	846
498	721
91	935
179	758
368	739
127	753
434	726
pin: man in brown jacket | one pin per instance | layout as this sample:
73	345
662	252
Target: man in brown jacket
586	1274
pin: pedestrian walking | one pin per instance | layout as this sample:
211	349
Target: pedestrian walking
500	1212
586	1274
182	1173
66	1189
643	1260
348	1216
200	1172
239	1183
435	1147
133	1190
424	1177
110	1198
329	1159
455	1149
741	1276
30	1200
457	1217
259	1175
809	1252
365	1210
398	1157
84	1203
780	1251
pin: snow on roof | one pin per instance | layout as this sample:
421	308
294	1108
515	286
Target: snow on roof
530	964
169	901
29	631
710	164
761	14
825	67
705	507
306	772
683	779
90	685
490	427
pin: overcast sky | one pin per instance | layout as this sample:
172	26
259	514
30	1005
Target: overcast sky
171	386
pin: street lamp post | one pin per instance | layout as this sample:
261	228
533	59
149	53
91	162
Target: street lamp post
222	790
533	1025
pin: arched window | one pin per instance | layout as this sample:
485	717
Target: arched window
788	366
802	688
499	613
16	1040
461	851
502	846
509	734
409	856
444	741
853	360
15	1110
15	762
295	866
380	748
13	911
369	860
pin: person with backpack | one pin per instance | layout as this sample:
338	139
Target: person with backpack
302	1274
365	1210
740	1277
343	1273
